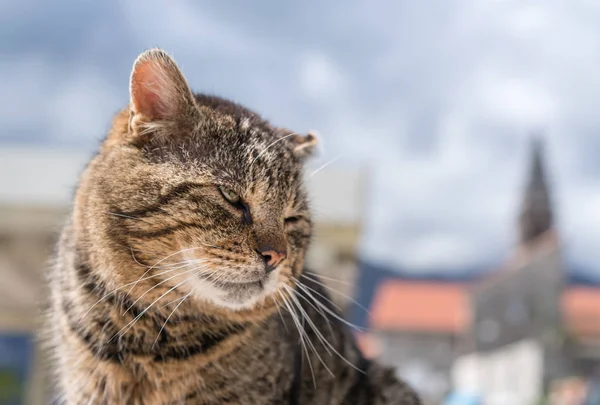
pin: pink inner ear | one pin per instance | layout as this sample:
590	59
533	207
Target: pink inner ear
147	90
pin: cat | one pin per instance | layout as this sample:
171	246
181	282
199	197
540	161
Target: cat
179	276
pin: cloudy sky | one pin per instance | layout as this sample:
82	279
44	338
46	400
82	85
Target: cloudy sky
437	98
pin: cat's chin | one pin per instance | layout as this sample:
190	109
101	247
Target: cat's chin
236	295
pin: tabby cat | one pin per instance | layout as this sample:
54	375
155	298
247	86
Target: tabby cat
179	276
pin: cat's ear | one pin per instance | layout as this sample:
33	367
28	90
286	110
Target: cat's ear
303	146
158	90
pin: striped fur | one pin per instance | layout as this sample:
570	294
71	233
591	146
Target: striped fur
158	294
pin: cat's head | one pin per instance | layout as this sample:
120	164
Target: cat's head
202	190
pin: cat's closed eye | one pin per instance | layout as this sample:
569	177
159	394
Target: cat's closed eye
236	201
292	219
231	196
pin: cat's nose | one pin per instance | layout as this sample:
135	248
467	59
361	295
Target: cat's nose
272	259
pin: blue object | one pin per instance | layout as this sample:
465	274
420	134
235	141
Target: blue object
459	398
593	396
16	355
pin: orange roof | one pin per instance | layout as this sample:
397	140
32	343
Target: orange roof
420	306
368	344
425	306
581	310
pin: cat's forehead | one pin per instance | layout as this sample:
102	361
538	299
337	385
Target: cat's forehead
256	158
242	145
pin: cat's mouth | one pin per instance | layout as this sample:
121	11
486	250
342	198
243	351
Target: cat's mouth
227	285
243	284
237	294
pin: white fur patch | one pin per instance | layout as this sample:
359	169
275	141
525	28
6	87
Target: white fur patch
245	124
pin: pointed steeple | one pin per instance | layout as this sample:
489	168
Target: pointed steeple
536	212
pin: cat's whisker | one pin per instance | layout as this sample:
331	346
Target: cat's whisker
171	266
222	279
158	284
181	298
326	164
127	327
335	291
332	313
160	261
333	304
293	316
160	266
121	215
171	302
122	287
280	314
305	288
335	280
130	324
291	291
298	284
213	278
216	279
302	334
169	317
267	147
135	258
325	341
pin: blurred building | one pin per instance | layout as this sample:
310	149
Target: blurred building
36	187
505	336
531	323
337	203
414	324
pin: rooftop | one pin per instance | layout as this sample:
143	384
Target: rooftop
443	307
420	306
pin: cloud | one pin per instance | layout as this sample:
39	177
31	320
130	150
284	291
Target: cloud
320	79
66	106
79	108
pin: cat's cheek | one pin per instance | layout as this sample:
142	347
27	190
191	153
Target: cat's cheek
296	261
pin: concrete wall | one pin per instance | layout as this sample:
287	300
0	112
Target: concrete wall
27	236
333	255
512	374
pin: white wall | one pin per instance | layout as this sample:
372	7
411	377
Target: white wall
509	375
35	176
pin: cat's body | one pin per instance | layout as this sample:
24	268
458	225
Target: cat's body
168	289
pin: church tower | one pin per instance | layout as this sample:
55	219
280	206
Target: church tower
536	212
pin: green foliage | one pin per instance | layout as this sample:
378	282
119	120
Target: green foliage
10	386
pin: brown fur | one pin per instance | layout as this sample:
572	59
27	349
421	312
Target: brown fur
145	305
